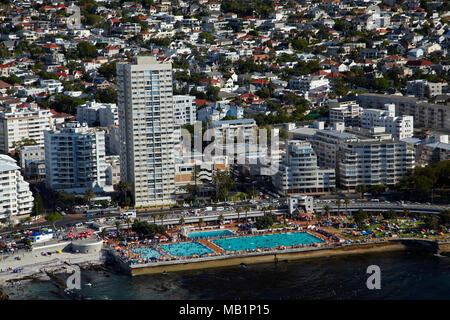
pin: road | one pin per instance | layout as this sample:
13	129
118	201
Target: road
173	215
382	206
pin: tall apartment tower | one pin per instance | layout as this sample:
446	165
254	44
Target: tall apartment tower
147	125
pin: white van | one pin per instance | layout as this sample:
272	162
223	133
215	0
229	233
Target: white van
220	208
128	214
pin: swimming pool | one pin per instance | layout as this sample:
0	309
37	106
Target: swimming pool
148	253
186	249
266	241
210	234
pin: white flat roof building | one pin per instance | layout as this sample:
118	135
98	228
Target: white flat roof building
100	114
399	127
20	123
15	195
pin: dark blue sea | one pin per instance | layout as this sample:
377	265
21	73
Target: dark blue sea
404	275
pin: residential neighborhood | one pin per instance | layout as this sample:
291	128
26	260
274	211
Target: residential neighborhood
133	107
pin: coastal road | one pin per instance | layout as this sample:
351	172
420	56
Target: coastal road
382	206
173	215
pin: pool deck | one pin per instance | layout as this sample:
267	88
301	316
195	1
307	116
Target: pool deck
262	257
223	258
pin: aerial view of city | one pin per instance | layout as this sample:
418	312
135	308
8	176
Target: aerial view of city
195	150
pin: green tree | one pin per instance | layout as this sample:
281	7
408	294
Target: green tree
339	203
221	218
53	217
128	222
361	189
107	95
444	217
347	202
431	222
327	211
118	225
388	215
38	207
265	222
89	195
238	211
359	216
86	50
108	70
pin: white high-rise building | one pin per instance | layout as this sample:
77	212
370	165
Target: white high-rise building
184	109
299	172
16	198
147	126
21	123
75	159
102	114
399	126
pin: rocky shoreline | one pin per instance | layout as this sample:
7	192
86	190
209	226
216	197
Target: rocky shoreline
55	271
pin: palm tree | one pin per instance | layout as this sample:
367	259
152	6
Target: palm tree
200	221
162	216
103	232
246	208
154	215
346	201
182	221
327	211
238	211
118	224
123	187
339	203
89	195
221	218
128	221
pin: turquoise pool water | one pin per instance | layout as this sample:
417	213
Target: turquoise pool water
211	234
148	253
186	249
266	241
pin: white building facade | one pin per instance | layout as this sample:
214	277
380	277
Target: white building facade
399	126
17	124
95	113
147	125
75	159
16	198
184	109
299	172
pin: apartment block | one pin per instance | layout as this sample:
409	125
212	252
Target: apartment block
16	198
299	172
423	88
426	115
147	125
18	123
372	162
399	127
184	109
98	114
75	159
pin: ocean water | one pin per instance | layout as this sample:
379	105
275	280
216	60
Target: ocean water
403	276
